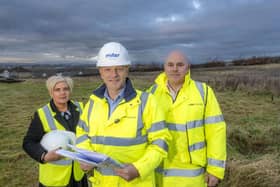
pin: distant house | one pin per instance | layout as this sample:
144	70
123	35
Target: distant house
6	74
9	77
21	72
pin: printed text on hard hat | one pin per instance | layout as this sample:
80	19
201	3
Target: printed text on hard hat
112	55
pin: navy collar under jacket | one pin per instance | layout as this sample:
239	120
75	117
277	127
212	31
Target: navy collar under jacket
129	92
75	116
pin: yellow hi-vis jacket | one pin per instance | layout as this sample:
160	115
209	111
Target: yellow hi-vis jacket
134	133
57	173
197	127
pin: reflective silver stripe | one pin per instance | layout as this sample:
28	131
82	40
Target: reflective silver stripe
154	88
196	146
189	125
159	169
194	124
62	162
199	86
143	98
83	125
176	127
214	119
81	139
118	141
182	172
89	109
157	126
218	163
49	117
79	106
161	143
106	171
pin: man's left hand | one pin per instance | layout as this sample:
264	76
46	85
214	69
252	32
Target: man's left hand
211	180
128	173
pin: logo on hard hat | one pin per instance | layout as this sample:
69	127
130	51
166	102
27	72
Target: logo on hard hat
112	55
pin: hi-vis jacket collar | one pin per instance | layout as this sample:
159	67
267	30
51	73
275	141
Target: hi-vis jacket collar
129	92
162	79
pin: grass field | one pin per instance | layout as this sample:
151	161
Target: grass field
253	124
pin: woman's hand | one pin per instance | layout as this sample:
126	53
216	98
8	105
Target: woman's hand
52	156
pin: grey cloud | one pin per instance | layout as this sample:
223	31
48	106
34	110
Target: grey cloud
213	29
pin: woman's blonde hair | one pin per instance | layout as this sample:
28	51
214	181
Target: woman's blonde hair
53	80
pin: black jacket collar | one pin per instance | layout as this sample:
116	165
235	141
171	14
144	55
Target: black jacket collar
75	115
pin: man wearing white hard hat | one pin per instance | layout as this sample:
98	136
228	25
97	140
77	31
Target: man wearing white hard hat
123	123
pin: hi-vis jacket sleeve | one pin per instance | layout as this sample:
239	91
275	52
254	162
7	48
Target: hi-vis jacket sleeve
82	129
215	134
158	138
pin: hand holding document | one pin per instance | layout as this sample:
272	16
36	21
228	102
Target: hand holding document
90	157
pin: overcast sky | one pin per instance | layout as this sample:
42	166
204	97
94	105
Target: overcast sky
74	30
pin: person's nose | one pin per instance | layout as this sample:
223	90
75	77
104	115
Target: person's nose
115	72
62	92
175	68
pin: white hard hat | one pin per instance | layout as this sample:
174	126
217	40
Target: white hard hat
113	54
58	139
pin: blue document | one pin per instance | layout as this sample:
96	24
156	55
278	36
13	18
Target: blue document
90	157
76	156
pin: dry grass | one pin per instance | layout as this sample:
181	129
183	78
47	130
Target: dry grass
253	124
252	79
260	172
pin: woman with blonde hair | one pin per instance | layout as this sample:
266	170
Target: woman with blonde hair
60	113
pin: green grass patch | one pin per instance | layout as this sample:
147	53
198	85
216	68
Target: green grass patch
253	135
